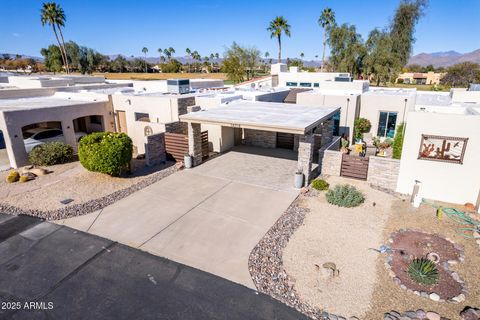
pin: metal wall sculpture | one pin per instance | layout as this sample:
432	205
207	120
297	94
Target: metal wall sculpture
441	148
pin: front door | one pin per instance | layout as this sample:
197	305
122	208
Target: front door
121	122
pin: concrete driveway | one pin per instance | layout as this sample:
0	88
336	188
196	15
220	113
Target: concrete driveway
82	276
210	223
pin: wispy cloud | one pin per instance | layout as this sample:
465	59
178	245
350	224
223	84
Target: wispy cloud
16	35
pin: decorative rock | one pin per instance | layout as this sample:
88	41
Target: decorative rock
470	313
421	314
410	314
391	274
435	297
433	316
459	298
404	287
423	294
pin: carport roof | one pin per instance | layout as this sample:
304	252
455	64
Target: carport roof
269	116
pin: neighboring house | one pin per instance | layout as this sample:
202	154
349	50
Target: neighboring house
420	77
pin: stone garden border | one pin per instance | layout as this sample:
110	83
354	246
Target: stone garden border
94	204
266	265
433	296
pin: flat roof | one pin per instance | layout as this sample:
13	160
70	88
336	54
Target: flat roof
269	116
42	102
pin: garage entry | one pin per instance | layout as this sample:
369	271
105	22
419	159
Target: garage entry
272	133
269	168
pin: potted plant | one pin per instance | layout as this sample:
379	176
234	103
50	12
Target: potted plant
187	161
361	126
298	179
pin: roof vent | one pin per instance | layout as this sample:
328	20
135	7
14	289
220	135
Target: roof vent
178	86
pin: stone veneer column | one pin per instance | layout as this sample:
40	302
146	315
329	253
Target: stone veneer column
327	131
305	156
195	142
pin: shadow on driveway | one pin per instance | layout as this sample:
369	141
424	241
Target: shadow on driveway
74	275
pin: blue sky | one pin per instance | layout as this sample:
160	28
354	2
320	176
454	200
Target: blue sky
125	27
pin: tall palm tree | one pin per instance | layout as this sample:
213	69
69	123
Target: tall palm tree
278	26
171	52
160	54
53	15
302	55
326	21
145	50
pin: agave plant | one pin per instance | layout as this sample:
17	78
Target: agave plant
423	271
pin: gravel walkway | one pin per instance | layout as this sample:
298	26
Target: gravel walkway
90	191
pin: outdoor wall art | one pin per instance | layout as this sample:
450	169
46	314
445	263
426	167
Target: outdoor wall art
440	148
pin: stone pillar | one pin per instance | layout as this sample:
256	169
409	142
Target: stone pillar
195	142
327	131
155	149
305	156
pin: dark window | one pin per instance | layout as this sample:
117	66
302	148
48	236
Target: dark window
292	84
96	119
387	122
316	85
139	116
336	123
305	84
47	134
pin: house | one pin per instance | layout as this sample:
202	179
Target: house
441	151
420	77
270	125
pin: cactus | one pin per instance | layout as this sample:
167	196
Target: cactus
423	271
13	176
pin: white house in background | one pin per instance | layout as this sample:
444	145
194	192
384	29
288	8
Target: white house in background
283	77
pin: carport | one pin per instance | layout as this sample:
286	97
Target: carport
268	125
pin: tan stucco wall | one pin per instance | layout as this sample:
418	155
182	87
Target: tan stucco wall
349	104
161	110
456	183
373	104
11	123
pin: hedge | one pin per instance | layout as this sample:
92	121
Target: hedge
51	153
105	152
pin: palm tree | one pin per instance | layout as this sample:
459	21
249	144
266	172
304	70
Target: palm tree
302	55
326	21
53	15
145	50
196	57
278	26
160	53
171	52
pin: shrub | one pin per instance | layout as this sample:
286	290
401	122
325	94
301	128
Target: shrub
398	141
423	271
13	176
345	196
105	152
320	184
361	126
51	153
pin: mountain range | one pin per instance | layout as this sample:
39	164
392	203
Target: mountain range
437	59
444	58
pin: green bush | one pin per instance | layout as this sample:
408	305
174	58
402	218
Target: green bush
398	141
320	184
50	153
361	126
345	196
106	152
